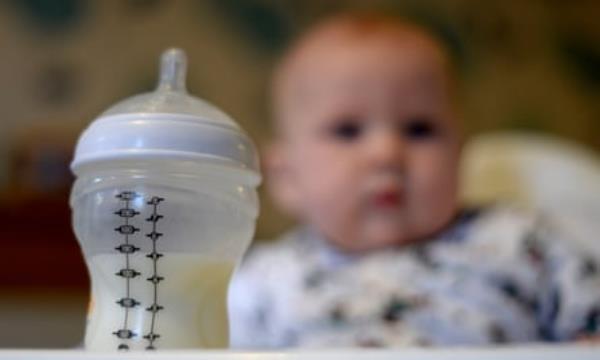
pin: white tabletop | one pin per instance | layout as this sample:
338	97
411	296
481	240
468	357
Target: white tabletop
545	352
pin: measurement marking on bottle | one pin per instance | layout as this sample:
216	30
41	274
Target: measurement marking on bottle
128	302
127	229
155	279
127	248
127	272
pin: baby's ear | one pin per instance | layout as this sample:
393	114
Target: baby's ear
279	180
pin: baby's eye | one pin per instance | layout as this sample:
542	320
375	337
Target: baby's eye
420	128
348	129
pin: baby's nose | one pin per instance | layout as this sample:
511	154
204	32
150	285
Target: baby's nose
386	148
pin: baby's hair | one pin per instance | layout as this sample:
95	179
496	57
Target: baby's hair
368	23
362	26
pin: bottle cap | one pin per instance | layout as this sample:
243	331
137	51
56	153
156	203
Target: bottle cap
166	123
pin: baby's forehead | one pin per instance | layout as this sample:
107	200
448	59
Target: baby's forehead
337	42
355	37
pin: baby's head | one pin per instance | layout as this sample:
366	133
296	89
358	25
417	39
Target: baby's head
367	143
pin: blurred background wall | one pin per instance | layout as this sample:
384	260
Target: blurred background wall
527	65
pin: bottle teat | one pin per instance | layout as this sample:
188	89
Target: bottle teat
173	69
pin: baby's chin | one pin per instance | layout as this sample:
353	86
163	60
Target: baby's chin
377	237
390	229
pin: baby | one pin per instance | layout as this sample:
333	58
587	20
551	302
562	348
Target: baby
366	158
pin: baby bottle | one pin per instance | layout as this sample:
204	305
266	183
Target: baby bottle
164	206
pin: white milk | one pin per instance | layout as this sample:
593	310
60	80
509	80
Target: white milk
193	295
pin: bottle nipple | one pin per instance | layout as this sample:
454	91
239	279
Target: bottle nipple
173	68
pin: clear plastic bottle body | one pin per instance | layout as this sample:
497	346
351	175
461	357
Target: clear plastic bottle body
161	239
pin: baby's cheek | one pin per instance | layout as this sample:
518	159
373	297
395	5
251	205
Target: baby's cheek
335	211
337	224
434	168
433	183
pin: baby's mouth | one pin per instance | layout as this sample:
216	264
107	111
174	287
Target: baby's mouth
386	199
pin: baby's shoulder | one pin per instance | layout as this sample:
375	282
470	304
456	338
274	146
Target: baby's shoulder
278	252
504	224
275	262
506	217
499	235
510	232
